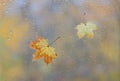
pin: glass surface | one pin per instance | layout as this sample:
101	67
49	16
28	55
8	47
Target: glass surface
87	58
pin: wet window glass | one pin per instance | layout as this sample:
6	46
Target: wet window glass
59	40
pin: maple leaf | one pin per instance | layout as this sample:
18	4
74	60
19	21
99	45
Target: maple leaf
37	55
86	29
48	54
40	42
43	50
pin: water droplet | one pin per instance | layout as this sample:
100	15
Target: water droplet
66	0
84	13
24	3
8	38
3	3
10	35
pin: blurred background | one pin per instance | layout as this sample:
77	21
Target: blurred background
97	59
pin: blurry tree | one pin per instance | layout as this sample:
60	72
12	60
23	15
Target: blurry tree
12	31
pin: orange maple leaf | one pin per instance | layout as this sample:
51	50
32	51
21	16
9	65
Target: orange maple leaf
43	50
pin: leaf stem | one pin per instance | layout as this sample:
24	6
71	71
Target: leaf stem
54	40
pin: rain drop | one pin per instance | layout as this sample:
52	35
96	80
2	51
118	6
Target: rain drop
3	3
10	34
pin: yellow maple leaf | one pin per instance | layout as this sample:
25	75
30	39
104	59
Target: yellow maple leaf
43	50
48	54
86	29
